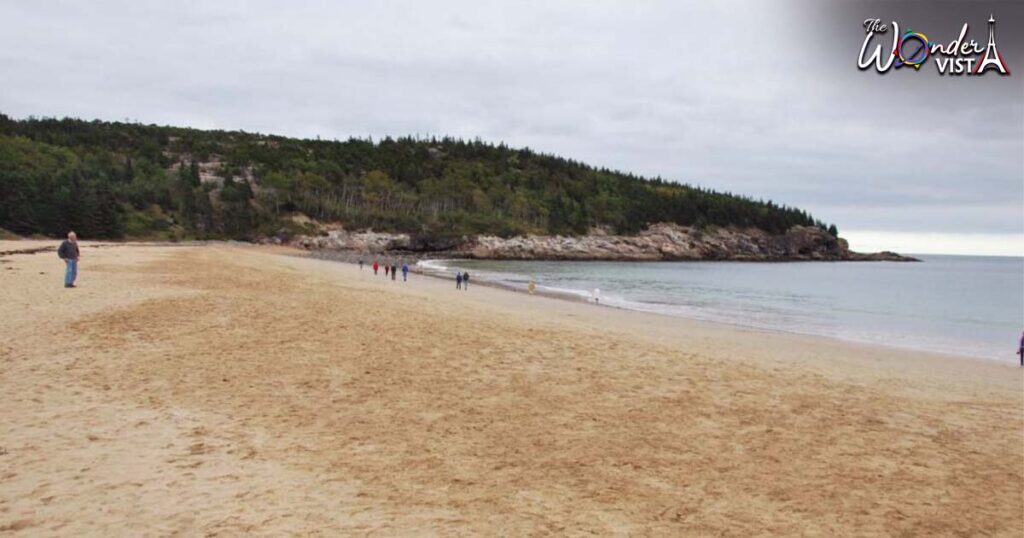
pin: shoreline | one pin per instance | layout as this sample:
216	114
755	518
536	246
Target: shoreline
508	300
351	258
579	298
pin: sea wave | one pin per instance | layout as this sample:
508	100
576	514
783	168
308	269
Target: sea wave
432	266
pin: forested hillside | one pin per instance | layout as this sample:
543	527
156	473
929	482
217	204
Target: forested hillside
112	180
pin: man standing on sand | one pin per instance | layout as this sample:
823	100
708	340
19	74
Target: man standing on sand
465	280
405	272
394	270
458	280
68	251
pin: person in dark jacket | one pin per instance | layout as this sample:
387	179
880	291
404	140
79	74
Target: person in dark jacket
1020	349
465	280
405	272
394	270
68	251
458	280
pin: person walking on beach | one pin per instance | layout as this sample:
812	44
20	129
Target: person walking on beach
465	280
360	264
1020	349
68	251
375	267
405	272
387	269
394	271
458	280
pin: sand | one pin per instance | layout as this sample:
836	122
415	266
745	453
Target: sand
224	390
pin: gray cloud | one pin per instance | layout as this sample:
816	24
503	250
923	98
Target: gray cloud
751	98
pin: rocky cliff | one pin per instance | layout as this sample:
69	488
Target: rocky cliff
658	242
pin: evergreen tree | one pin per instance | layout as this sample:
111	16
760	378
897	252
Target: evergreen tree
115	178
128	174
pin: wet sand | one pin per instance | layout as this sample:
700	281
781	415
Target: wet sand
224	390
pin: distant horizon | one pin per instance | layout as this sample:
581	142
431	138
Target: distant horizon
951	244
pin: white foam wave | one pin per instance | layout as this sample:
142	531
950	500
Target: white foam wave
432	266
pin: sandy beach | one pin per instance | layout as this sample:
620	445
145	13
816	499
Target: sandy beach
228	390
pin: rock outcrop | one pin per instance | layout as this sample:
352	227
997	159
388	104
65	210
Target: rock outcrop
361	241
658	242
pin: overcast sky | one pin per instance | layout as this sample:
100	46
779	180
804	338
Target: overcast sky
759	98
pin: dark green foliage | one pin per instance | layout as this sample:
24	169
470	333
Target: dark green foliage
113	179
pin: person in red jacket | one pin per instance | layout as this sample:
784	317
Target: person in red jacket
375	266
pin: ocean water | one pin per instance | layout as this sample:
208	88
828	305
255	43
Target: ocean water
964	305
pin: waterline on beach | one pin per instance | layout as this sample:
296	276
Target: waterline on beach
969	306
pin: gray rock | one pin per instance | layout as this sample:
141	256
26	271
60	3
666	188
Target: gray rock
661	241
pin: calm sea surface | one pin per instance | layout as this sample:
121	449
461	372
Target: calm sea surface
964	305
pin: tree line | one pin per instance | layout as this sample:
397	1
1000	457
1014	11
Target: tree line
115	180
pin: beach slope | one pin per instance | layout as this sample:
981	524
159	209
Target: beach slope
226	390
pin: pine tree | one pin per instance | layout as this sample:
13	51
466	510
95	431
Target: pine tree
128	173
194	179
